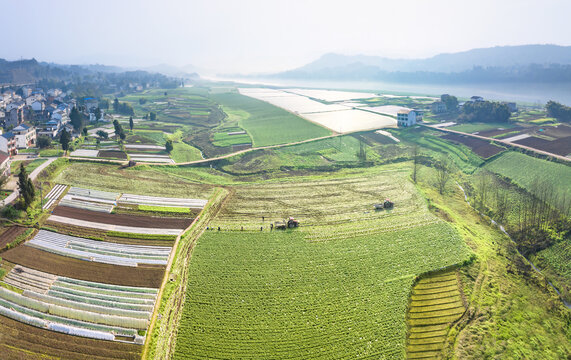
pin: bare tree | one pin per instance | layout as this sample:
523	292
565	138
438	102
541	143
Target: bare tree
443	169
501	199
415	163
482	189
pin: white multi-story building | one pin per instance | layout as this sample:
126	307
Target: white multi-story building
406	118
25	136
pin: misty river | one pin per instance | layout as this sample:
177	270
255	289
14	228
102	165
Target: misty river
523	93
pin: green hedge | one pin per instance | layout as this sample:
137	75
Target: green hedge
141	236
164	209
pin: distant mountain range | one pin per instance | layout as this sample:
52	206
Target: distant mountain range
530	63
29	71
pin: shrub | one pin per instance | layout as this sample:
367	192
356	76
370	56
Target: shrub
10	212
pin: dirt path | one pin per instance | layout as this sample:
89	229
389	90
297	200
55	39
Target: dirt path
33	175
202	161
499	141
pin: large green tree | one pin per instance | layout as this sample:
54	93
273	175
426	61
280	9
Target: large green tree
558	111
26	187
485	111
169	146
450	101
76	118
98	114
64	140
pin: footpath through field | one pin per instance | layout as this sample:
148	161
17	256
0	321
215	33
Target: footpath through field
499	141
33	175
202	161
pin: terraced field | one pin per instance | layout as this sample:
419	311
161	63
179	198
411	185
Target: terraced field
436	302
336	288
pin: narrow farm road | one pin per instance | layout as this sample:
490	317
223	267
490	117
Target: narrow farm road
33	175
207	160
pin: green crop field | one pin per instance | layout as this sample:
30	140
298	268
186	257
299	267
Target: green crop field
337	287
267	124
524	170
475	127
155	136
223	139
140	180
164	209
30	166
183	153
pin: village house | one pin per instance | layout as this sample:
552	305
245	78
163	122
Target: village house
26	91
511	105
25	136
91	104
477	99
406	118
54	92
8	143
15	113
51	129
438	107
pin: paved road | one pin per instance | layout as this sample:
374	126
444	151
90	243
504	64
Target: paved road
33	175
500	141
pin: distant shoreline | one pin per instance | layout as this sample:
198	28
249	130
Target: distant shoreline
522	93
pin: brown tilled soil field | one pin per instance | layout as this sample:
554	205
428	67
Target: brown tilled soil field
496	132
114	154
10	234
146	276
482	148
19	341
558	132
125	220
98	234
561	146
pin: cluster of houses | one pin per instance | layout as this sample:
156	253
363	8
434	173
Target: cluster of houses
48	110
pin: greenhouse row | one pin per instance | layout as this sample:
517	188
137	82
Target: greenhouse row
110	253
78	307
162	201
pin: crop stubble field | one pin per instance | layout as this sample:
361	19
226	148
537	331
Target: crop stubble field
338	287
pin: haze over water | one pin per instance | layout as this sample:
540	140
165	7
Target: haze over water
525	93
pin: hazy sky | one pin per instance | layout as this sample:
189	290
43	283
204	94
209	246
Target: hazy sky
269	35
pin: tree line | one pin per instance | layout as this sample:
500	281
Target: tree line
485	111
558	111
123	108
535	219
